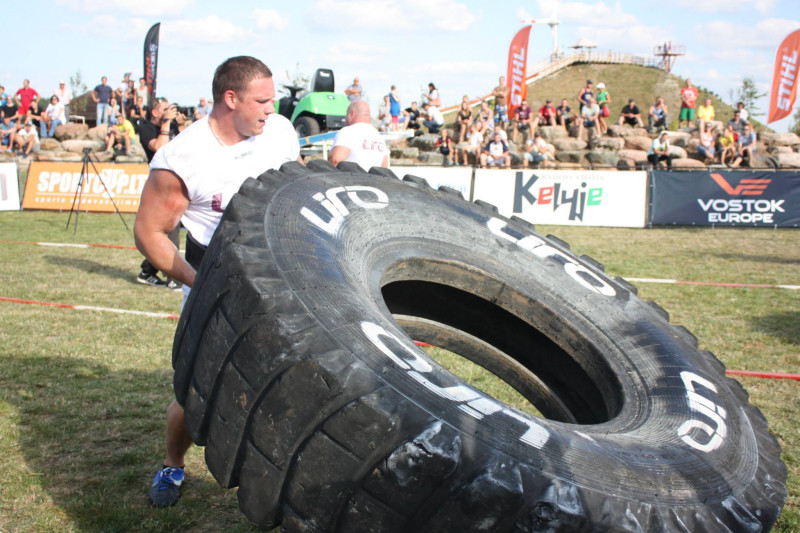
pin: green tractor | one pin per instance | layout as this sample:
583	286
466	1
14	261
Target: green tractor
318	110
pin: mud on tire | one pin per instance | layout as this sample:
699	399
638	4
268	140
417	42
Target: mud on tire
295	364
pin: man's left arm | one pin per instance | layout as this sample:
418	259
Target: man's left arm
338	153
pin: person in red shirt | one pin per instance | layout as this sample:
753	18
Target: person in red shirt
547	114
689	96
25	97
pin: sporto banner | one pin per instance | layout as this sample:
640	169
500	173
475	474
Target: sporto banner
517	65
572	198
784	80
726	198
52	186
9	187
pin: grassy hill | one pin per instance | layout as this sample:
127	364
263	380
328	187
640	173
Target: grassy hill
622	81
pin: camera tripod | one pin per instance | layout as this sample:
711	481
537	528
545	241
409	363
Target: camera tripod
76	200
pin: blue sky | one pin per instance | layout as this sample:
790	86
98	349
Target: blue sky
461	45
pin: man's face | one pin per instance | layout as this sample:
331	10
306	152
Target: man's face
158	110
502	80
414	106
104	80
735	115
202	102
254	106
564	102
355	81
25	83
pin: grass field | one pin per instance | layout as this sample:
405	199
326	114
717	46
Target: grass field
82	393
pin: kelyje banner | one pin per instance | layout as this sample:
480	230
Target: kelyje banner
784	80
517	65
151	60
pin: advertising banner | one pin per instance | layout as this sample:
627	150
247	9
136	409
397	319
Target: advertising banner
52	186
573	198
459	179
784	78
726	198
517	65
151	60
9	187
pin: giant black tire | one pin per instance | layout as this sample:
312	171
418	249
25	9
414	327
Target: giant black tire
296	370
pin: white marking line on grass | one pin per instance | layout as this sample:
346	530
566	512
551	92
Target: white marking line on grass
63	244
91	308
714	284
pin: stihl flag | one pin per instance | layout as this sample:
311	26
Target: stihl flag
517	63
784	80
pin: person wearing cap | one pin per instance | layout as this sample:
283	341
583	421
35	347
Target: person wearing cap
585	94
523	120
603	99
547	115
535	152
631	115
660	151
64	94
26	139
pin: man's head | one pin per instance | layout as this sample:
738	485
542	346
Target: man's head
157	110
104	80
740	105
25	83
631	101
688	82
588	83
496	137
355	81
748	128
502	80
357	111
414	106
736	114
202	102
564	102
243	87
139	101
234	74
707	102
126	76
61	84
664	136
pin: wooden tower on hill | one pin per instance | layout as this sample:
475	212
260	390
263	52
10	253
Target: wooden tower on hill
668	54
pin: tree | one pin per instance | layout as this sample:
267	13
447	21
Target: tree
748	94
795	127
77	84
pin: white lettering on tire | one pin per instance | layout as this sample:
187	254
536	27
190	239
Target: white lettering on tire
702	405
331	202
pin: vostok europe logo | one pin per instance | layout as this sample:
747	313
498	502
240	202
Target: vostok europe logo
741	210
578	198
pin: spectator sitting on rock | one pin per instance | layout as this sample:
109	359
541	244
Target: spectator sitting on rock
737	122
445	146
26	140
658	116
706	114
496	153
564	114
547	115
485	118
603	99
435	118
65	97
745	147
631	115
473	145
588	120
500	94
523	120
119	135
660	150
412	116
742	111
7	130
137	113
52	117
585	94
726	145
535	151
499	130
26	97
463	121
706	148
689	96
11	111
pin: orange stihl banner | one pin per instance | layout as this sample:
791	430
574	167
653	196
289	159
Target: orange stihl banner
517	64
784	80
52	186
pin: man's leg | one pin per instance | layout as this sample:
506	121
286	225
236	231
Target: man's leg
166	488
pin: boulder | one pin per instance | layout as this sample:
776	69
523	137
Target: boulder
68	156
678	138
71	131
780	149
692	145
638	143
780	139
425	142
565	165
77	146
609	143
603	157
550	133
567	144
403	153
573	156
431	158
637	156
686	163
678	152
129	159
50	144
788	160
98	133
615	130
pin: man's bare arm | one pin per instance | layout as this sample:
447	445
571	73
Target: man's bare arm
164	200
337	154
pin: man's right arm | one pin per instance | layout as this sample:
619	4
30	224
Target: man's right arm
94	96
164	200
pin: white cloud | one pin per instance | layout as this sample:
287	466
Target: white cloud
637	38
725	7
389	16
766	35
353	53
142	8
108	26
210	29
269	19
453	67
597	15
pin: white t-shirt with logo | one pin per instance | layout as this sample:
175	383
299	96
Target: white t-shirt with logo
213	173
365	143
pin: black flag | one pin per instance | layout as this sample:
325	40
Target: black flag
151	61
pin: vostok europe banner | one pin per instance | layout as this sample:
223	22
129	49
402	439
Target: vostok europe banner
710	198
52	186
575	198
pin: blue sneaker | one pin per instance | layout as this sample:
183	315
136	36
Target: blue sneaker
166	488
